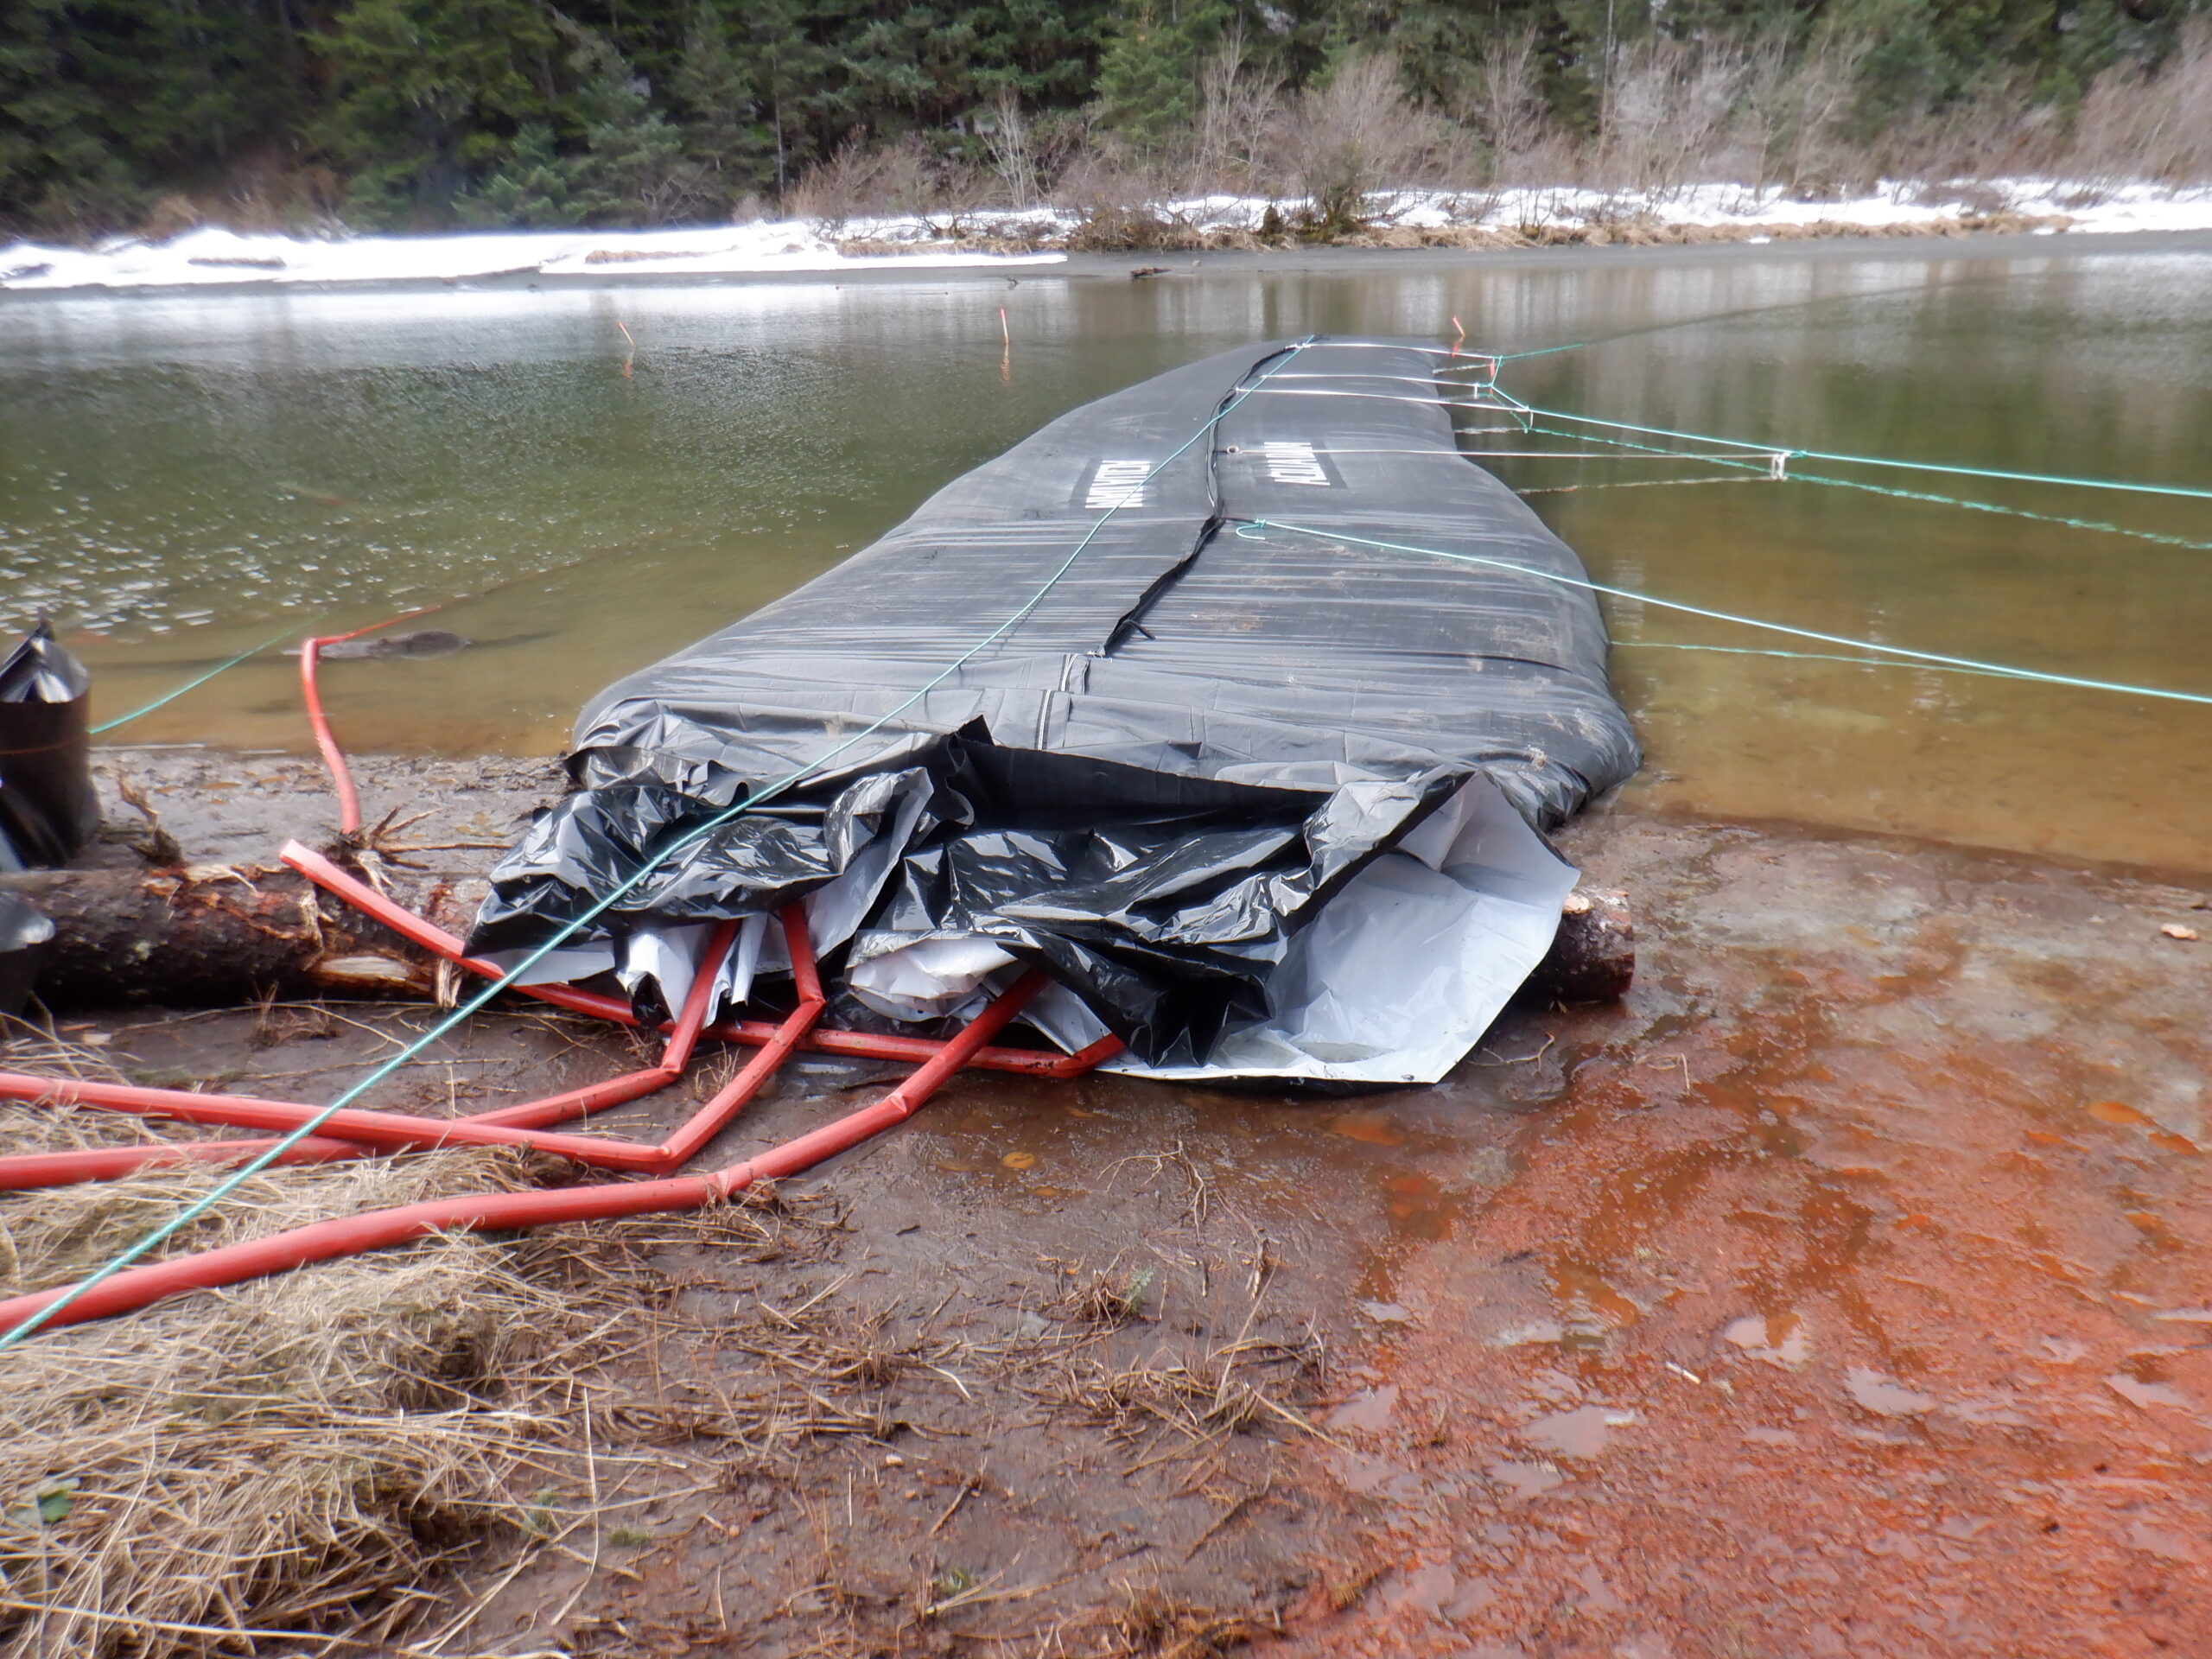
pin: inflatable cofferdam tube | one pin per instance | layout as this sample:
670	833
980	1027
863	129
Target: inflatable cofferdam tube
1260	802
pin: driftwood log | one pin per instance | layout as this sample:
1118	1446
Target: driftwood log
1593	958
219	937
207	937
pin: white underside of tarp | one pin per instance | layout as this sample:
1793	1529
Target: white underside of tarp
1403	971
1394	981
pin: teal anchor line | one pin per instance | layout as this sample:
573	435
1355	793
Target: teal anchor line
290	629
1764	468
2004	671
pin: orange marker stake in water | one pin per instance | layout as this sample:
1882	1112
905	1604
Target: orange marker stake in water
1462	339
632	356
1005	356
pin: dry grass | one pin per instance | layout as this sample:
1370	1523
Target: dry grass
46	1051
304	1452
1241	1386
1110	1300
293	1453
1152	1624
1221	1387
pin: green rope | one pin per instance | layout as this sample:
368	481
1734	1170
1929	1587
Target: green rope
2191	491
1760	470
2001	670
192	685
199	1207
1808	656
2009	512
1635	483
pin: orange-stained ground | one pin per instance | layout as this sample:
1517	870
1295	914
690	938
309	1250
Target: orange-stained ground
1852	1296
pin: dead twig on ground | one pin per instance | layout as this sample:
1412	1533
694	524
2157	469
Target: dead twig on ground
1243	1501
1199	1190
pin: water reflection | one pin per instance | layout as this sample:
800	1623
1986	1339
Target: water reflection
177	475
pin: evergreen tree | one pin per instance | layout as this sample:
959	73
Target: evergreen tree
1148	69
431	96
534	190
633	169
724	134
106	103
58	162
793	77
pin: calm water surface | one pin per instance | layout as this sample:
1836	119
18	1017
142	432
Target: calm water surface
182	478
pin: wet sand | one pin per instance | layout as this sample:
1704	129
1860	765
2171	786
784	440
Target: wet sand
1841	1291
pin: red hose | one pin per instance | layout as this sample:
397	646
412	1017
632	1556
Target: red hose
24	1172
363	1131
349	805
351	1235
136	1287
752	1033
31	1170
390	1131
395	1131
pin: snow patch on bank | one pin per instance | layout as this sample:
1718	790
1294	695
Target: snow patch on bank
2092	210
933	241
203	257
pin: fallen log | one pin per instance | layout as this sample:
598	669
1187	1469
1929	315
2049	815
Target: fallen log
1593	958
220	937
207	936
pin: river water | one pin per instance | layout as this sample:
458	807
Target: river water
592	478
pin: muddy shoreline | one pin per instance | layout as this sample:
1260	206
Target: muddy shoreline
1840	1291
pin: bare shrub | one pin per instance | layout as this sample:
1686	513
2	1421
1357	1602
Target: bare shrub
1131	226
1505	102
1771	109
1997	132
1357	137
1239	107
2150	124
1804	111
1669	117
1116	193
862	181
1011	145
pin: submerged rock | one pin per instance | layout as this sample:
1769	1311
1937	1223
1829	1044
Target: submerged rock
425	642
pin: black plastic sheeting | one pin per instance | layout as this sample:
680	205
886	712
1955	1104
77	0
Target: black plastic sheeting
24	933
48	807
1179	751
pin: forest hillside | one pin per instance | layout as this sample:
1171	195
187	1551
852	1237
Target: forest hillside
152	116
